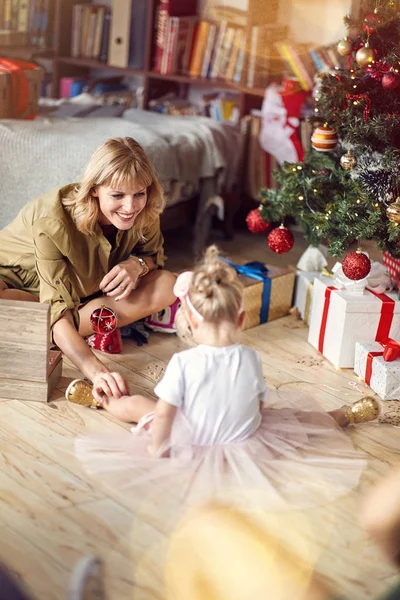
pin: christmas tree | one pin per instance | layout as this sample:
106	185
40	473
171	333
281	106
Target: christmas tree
348	187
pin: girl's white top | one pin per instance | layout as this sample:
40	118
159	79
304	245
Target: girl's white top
218	389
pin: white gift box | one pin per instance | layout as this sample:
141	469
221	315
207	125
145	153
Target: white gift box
339	319
383	377
303	292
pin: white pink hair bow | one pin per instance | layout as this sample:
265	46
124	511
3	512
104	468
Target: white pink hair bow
181	291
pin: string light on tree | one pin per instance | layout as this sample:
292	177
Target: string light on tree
280	240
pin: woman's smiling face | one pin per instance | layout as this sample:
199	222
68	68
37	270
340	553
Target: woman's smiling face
120	206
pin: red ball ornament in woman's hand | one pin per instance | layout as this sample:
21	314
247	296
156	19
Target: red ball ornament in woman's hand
256	223
103	320
356	265
280	240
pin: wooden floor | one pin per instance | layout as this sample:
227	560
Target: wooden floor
51	514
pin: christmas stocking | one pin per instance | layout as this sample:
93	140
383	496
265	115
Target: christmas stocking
280	121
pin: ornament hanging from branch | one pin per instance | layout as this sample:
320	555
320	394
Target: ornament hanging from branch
280	240
365	56
390	81
348	161
345	47
371	22
356	265
324	139
255	222
393	211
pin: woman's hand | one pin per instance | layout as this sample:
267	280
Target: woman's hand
122	279
110	385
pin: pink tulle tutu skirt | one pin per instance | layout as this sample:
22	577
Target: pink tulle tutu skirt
298	458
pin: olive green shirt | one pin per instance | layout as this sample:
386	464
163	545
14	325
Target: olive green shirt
43	252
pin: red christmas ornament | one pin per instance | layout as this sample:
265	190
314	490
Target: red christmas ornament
103	320
356	265
390	81
110	343
280	240
371	21
256	223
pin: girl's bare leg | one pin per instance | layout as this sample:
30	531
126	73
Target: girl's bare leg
129	409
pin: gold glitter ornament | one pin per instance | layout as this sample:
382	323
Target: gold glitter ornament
345	47
393	211
348	161
365	56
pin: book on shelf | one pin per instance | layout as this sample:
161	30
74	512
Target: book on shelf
199	48
26	21
305	61
165	10
116	35
208	50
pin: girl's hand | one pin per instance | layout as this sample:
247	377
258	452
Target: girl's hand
122	279
108	385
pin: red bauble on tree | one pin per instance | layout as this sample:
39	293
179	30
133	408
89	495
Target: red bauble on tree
103	320
280	240
356	265
256	223
391	81
371	22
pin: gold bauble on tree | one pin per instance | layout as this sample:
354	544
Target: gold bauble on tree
348	161
365	56
345	47
393	211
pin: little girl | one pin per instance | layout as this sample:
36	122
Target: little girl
216	430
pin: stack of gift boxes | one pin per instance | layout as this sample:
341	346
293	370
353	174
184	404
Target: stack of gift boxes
355	325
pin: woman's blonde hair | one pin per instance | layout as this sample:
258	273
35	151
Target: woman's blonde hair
116	162
215	290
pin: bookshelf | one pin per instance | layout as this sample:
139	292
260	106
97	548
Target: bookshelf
154	83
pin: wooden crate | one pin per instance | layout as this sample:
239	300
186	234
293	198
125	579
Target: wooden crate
28	369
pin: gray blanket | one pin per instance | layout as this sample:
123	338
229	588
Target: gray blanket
39	155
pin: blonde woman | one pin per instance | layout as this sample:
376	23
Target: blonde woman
89	244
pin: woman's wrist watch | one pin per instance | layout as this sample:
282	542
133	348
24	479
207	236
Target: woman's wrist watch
143	264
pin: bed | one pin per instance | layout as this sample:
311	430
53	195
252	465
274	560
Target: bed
197	160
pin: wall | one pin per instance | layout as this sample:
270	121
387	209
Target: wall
316	21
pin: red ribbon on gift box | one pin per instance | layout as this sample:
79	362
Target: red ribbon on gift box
385	321
391	352
19	84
